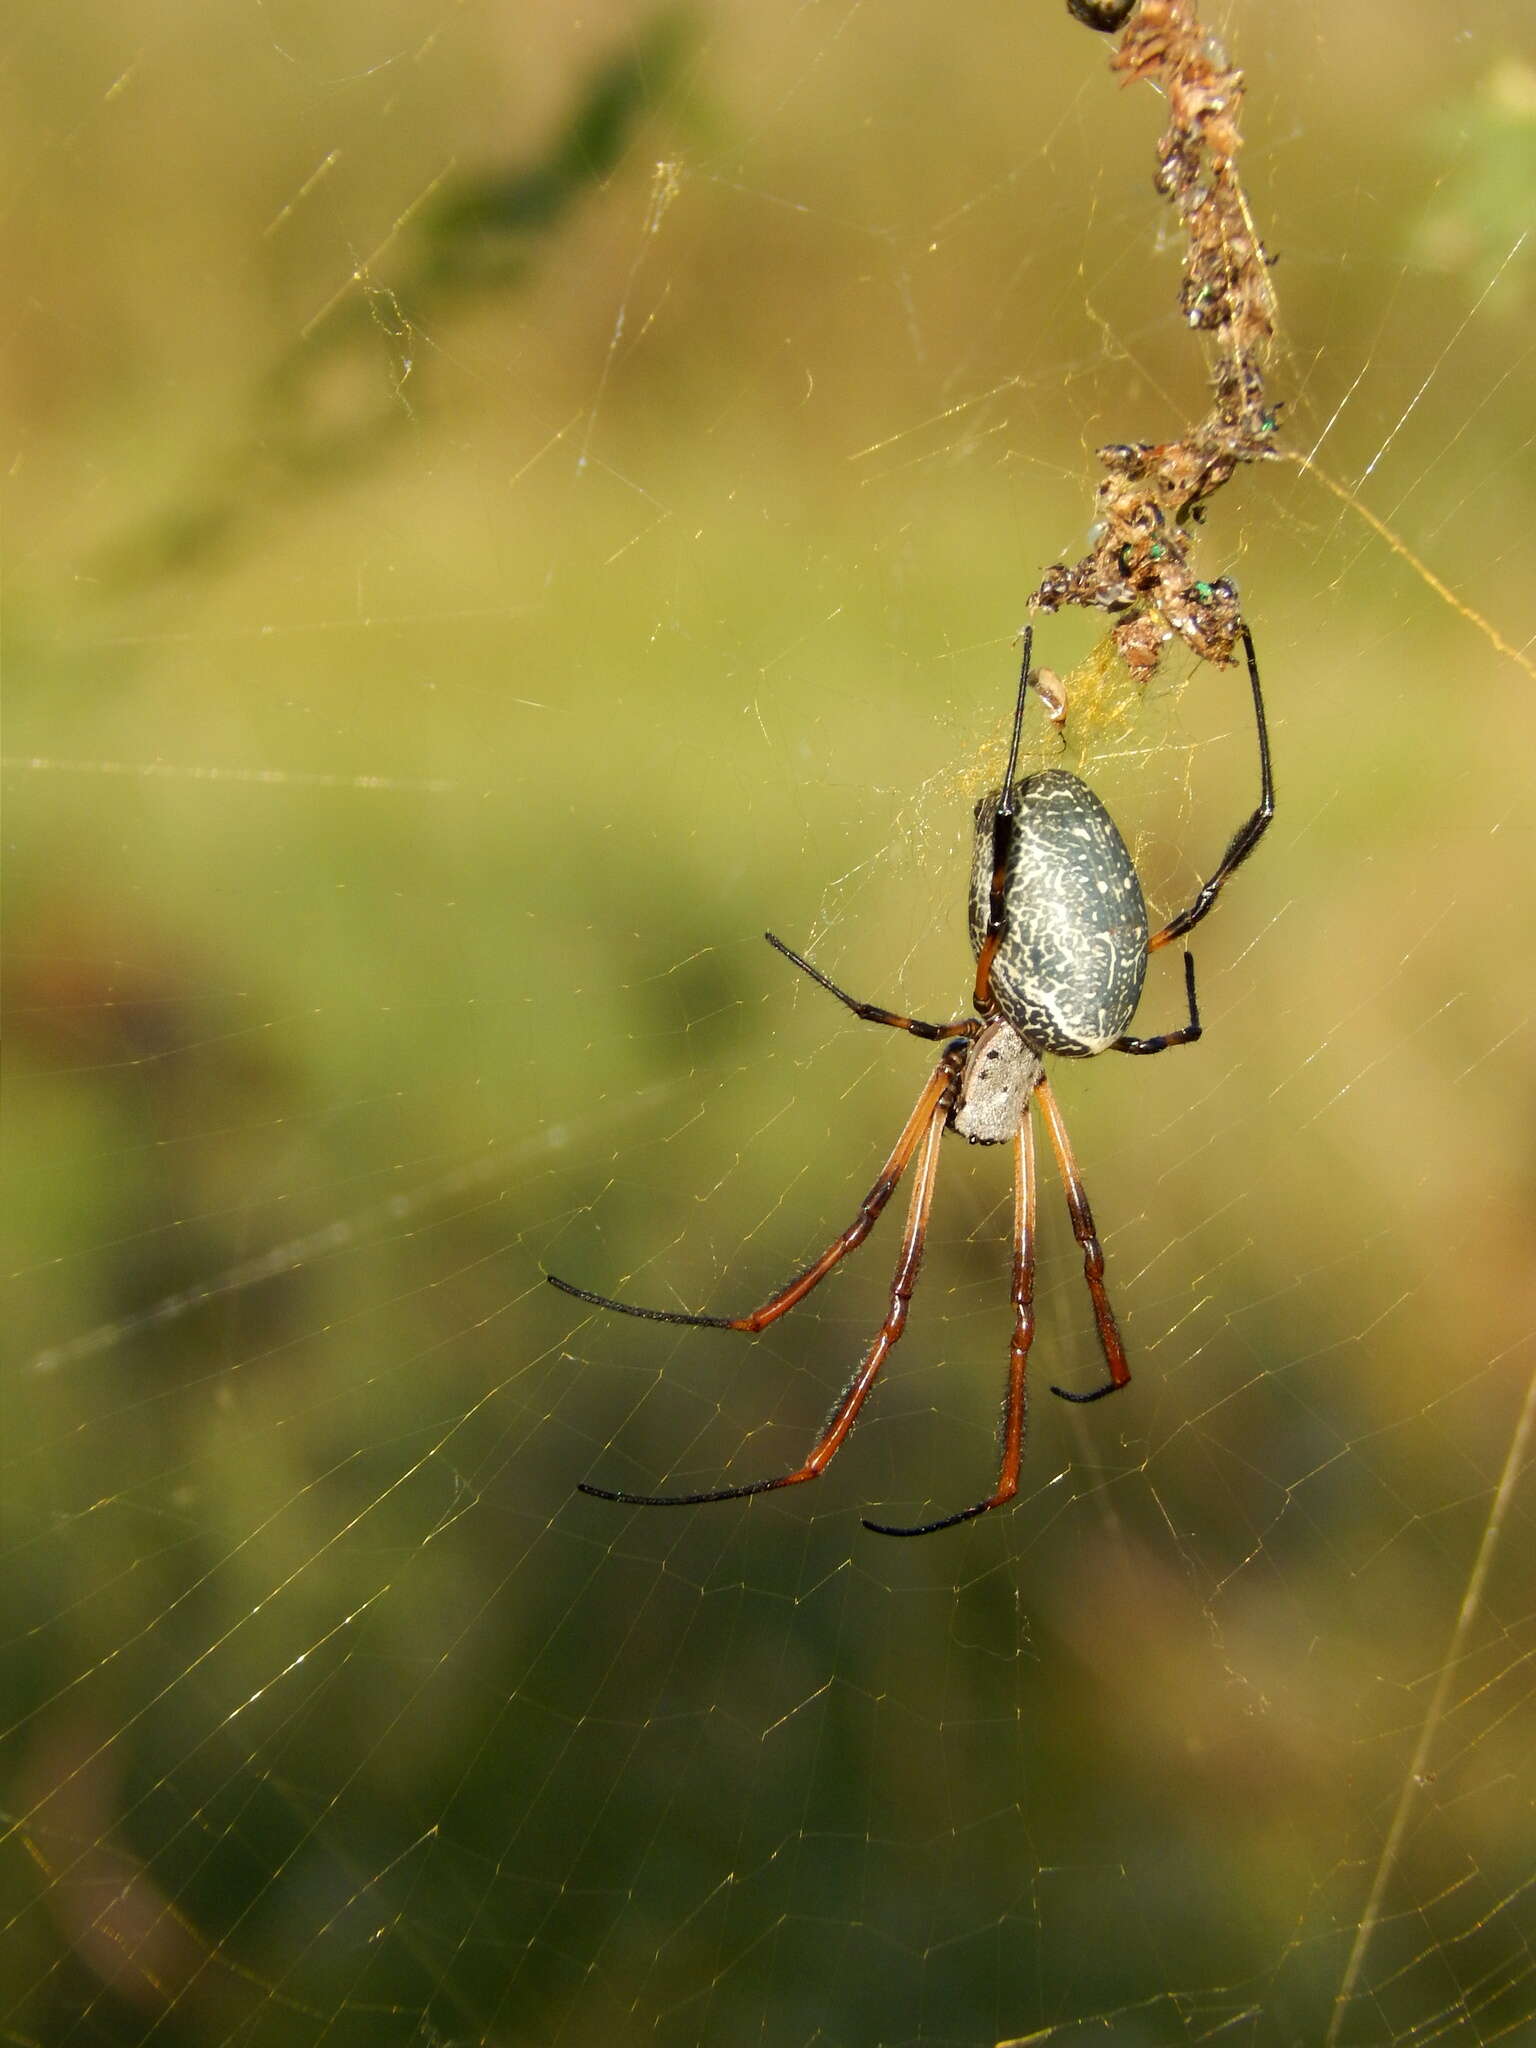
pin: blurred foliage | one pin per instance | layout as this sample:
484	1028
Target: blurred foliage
478	229
1481	214
336	399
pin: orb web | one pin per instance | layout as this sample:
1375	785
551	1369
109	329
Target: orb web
496	523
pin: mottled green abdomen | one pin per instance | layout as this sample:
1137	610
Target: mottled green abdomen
1069	967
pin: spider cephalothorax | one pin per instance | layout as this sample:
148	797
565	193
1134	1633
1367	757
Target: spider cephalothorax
1059	929
999	1076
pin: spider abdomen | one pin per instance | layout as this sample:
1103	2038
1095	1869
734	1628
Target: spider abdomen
1072	956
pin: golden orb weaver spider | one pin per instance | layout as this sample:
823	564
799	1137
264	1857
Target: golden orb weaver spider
1059	928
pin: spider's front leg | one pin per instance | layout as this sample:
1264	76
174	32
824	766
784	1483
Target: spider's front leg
935	1099
923	1136
1023	1298
1110	1341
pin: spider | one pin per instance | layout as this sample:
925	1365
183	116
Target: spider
1059	929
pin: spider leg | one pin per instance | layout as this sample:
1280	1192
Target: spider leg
1247	835
1093	1255
1018	1347
852	1399
939	1090
1003	829
1186	1033
989	945
872	1013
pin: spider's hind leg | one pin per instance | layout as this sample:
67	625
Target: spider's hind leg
1247	835
1186	1034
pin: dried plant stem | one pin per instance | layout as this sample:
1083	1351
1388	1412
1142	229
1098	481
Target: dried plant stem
1154	495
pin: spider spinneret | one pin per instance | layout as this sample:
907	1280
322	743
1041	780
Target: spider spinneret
1058	925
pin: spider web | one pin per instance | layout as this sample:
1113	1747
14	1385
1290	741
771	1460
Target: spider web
502	507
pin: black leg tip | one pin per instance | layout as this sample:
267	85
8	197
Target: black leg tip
1093	1394
982	1507
646	1315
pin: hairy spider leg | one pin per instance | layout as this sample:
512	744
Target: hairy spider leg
1093	1253
1023	1298
872	1013
844	1415
939	1089
1247	835
1002	844
1186	1033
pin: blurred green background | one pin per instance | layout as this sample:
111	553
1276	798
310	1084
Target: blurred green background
501	505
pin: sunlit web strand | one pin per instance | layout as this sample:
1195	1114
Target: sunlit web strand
176	771
298	1251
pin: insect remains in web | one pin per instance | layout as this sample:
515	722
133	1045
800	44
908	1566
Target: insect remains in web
1153	496
1058	925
